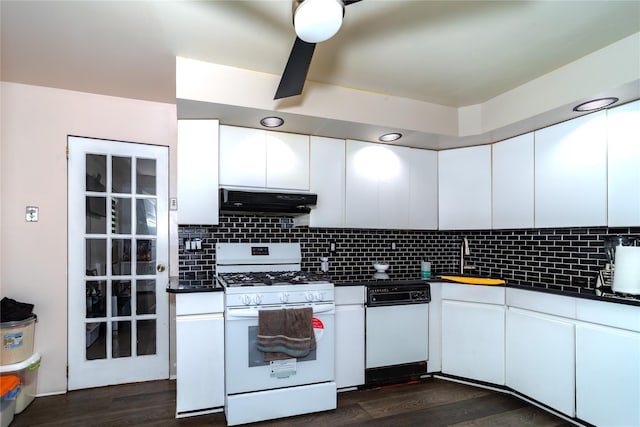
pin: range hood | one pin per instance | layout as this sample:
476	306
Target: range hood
263	202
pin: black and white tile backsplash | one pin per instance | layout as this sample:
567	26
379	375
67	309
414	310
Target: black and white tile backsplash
566	259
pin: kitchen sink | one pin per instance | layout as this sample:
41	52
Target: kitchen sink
474	280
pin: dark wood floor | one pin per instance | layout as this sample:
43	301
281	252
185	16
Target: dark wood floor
433	402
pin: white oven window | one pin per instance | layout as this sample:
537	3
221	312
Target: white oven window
256	357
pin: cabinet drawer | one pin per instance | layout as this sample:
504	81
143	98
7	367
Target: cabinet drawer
609	314
199	303
556	305
345	295
473	293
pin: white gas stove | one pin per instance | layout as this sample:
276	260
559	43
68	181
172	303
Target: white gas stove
261	277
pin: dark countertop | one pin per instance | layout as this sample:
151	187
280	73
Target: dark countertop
184	287
400	278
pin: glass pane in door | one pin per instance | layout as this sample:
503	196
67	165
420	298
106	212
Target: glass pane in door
96	215
96	298
96	172
121	173
146	217
121	215
121	257
96	257
96	343
121	338
146	176
146	257
146	338
146	297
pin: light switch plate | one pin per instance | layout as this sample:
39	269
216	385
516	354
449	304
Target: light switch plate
31	213
173	204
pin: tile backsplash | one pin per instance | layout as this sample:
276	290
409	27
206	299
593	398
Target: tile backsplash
566	259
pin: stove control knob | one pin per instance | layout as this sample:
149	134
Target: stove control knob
246	299
257	299
284	297
319	296
308	296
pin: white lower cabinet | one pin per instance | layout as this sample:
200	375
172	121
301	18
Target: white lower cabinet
349	350
540	358
607	376
199	353
473	332
608	363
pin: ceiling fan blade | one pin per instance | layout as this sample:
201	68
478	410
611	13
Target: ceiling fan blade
295	72
348	2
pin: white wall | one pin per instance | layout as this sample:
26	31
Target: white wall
33	256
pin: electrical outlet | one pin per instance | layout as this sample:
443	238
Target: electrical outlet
332	247
393	246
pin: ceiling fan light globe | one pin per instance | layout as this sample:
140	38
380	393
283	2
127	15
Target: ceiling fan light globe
318	20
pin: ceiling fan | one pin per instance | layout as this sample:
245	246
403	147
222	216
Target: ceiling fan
314	21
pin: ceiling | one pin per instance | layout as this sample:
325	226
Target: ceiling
449	53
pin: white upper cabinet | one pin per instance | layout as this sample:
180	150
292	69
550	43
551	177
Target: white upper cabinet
263	159
513	177
423	190
571	173
287	161
377	186
243	157
394	174
623	126
390	187
464	190
198	172
327	180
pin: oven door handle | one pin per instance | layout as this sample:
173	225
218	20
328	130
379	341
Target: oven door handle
253	312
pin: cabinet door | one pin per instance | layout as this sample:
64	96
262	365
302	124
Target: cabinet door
540	358
423	190
513	183
464	188
571	173
198	172
393	186
199	362
327	180
623	127
287	161
607	376
363	163
473	341
349	345
243	157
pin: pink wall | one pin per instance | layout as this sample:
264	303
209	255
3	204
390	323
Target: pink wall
33	256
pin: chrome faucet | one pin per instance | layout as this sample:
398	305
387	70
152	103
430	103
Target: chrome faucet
464	252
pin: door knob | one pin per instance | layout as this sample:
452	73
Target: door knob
160	268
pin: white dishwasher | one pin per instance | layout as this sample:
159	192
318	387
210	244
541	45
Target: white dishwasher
397	332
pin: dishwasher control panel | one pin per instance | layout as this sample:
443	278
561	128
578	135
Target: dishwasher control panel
398	294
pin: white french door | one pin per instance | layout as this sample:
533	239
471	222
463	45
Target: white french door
118	252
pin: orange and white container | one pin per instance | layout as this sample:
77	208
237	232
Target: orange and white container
9	391
27	373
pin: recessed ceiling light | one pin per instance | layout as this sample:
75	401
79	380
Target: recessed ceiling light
272	122
595	104
388	137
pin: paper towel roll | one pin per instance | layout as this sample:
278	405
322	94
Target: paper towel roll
626	274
